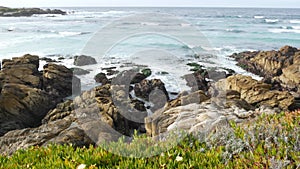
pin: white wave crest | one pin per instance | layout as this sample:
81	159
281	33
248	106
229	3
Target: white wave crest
295	21
271	20
259	17
284	30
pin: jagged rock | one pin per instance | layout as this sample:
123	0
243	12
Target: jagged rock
195	97
145	87
138	78
59	80
79	71
23	70
22	106
266	63
23	100
101	78
197	117
93	117
49	60
83	60
255	92
197	80
152	90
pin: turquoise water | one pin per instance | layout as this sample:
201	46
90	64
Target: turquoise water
221	31
227	29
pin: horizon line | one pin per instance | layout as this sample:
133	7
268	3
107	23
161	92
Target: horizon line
154	7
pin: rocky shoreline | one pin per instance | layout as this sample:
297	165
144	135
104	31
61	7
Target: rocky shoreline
18	12
34	111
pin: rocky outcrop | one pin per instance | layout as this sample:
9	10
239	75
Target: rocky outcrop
83	60
199	79
17	12
27	94
93	117
256	93
59	80
59	126
200	116
277	67
290	77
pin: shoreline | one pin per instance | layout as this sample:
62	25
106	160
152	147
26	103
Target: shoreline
240	97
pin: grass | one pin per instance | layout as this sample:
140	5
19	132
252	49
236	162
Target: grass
270	141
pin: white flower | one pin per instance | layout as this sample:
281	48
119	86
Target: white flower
81	166
178	158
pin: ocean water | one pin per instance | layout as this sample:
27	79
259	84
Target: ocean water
219	31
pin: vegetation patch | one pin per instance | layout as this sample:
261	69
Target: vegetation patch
269	141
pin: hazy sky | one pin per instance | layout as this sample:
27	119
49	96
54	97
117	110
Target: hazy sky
148	3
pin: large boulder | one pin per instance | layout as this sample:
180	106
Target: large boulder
153	91
59	80
27	95
199	116
256	93
102	78
21	70
83	60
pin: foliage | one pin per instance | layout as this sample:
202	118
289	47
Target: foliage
269	141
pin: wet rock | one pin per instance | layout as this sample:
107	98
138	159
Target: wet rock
101	78
48	60
152	90
79	71
83	60
197	80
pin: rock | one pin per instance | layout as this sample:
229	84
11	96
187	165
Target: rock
197	80
195	97
54	75
23	70
17	12
22	106
93	117
138	78
147	72
26	95
101	78
79	71
152	90
195	118
267	63
83	60
256	93
48	60
290	77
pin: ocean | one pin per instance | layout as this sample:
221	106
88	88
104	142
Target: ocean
219	31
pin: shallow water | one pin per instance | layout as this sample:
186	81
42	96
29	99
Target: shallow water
221	32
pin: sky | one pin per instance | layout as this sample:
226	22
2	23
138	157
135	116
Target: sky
152	3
